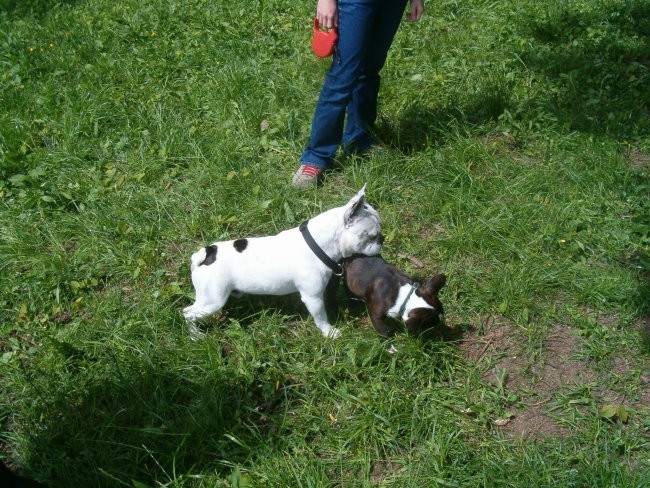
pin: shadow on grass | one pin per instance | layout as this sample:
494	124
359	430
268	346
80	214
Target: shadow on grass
32	8
151	424
419	126
597	59
645	333
247	309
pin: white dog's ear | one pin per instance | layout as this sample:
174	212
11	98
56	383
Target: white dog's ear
354	205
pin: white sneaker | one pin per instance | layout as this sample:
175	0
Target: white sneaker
307	176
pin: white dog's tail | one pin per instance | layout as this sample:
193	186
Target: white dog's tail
197	258
205	256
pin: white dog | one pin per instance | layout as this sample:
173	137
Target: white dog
301	259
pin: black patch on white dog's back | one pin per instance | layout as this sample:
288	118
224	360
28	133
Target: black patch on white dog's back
240	244
210	255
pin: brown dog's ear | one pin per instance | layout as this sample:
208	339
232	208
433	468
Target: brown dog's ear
436	283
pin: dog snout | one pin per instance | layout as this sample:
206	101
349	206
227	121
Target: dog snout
380	239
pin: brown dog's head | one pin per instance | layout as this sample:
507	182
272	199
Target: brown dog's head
420	319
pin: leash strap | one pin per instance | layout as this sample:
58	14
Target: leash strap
320	254
402	309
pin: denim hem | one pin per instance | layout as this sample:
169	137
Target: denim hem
312	160
359	146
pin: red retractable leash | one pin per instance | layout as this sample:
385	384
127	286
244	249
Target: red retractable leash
323	41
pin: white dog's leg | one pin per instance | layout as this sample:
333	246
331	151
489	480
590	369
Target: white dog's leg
198	311
194	331
316	307
191	317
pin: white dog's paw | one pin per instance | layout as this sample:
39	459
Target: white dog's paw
331	333
191	314
391	349
195	333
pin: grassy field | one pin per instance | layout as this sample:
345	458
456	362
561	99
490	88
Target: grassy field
132	133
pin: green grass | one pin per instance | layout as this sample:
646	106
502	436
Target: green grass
131	133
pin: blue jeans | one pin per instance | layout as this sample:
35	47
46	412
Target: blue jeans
366	30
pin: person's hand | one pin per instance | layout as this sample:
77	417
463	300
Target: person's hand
417	9
327	13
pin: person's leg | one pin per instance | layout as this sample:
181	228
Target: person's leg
355	21
362	108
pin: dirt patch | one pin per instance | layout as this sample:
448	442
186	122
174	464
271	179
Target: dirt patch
533	379
381	469
539	375
621	368
504	146
624	368
432	231
639	160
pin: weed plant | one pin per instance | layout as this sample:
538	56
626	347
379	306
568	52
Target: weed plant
132	133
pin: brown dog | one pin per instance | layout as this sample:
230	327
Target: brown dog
390	293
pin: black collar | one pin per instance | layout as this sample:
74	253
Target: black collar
327	261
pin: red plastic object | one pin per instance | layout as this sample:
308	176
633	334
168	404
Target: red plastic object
323	42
